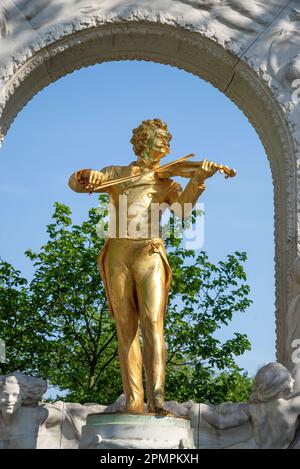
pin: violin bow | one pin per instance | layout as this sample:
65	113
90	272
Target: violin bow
113	182
223	169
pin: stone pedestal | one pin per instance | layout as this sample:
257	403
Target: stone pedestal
147	431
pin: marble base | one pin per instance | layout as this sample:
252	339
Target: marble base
145	431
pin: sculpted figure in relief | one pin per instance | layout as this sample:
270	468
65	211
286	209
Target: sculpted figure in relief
28	423
20	413
273	410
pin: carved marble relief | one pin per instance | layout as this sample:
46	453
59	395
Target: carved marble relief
284	52
250	17
39	12
3	24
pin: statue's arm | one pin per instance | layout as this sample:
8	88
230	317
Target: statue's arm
178	198
52	414
87	180
226	415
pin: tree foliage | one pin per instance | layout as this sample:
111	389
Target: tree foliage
58	325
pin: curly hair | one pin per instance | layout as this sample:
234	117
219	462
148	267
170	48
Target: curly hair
31	388
141	134
271	382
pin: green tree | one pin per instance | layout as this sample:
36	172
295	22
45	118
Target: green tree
58	325
203	299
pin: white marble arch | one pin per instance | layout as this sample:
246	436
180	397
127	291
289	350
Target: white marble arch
245	48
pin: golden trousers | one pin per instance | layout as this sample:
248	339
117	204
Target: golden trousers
137	276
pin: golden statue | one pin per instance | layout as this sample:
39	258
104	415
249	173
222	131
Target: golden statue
133	263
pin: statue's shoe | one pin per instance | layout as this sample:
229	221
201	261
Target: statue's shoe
157	406
133	409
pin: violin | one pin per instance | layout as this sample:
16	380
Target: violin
187	169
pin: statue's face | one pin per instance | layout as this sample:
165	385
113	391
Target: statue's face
157	147
10	398
291	386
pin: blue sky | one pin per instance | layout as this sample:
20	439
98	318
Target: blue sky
85	120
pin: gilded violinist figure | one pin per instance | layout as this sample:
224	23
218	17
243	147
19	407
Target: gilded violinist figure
133	263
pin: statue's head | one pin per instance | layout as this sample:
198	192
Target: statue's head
17	389
151	141
10	395
272	381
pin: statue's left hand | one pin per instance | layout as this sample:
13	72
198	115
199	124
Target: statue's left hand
206	170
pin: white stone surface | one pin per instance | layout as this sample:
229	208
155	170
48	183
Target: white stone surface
269	420
249	49
26	422
116	431
20	412
293	338
190	410
61	429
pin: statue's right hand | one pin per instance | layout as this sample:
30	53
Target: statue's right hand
82	176
89	178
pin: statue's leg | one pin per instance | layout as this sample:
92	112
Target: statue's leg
121	291
150	279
